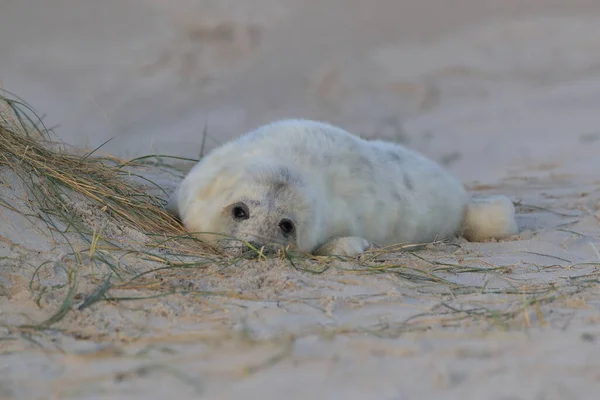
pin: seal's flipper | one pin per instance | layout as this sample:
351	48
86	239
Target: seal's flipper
489	218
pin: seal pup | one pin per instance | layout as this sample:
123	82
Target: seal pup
325	191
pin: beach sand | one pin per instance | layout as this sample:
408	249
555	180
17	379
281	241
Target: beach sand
505	94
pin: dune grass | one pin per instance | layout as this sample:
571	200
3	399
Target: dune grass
54	174
26	147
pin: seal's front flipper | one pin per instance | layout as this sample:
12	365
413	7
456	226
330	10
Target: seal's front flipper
349	246
489	218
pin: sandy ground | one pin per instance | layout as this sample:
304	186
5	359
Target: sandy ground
504	93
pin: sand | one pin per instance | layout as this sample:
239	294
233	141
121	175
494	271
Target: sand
504	93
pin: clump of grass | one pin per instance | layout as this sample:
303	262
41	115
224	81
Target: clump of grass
27	149
54	176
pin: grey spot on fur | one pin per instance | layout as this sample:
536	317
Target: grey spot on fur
395	156
278	188
388	156
277	192
286	175
408	183
397	195
279	179
363	167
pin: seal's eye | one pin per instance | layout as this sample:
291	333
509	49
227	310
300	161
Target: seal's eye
240	212
286	226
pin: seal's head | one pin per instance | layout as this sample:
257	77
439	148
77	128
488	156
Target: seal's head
249	204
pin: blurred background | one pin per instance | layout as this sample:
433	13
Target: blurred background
490	88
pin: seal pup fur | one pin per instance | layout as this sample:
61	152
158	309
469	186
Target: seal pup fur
325	191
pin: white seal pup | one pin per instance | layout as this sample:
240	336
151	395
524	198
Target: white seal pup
325	191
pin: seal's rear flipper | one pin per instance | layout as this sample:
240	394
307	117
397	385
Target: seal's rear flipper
489	218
